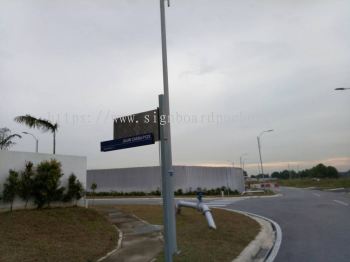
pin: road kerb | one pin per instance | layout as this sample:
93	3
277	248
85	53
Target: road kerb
119	245
271	231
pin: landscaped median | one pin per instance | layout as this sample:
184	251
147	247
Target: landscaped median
80	234
196	241
57	234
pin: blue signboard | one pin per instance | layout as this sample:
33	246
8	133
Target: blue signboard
127	142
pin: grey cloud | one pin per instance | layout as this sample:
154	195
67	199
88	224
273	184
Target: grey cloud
275	62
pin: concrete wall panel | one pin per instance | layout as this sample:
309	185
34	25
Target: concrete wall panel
148	179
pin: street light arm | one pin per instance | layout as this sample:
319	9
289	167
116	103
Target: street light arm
266	131
31	135
36	140
259	148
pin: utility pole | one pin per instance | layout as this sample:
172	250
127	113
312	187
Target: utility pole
170	247
259	147
261	164
241	162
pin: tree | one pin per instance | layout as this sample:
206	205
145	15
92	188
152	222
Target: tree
43	124
93	187
10	188
75	189
276	175
332	172
46	183
318	171
6	138
25	187
322	171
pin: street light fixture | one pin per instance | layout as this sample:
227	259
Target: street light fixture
36	140
259	147
342	88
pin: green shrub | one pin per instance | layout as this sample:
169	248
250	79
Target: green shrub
25	187
75	190
179	192
10	188
46	183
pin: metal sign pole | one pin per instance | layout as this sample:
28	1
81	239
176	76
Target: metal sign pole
166	155
167	189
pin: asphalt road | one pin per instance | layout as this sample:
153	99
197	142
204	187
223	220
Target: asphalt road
315	224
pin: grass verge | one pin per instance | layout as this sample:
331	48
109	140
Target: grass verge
57	234
322	183
195	240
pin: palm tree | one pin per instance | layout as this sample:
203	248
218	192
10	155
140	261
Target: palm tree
6	138
43	124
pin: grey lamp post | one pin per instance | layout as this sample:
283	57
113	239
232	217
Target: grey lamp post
241	162
36	140
227	180
241	159
259	147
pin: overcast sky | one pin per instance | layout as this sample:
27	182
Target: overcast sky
252	65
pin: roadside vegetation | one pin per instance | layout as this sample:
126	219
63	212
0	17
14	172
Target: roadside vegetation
70	234
7	138
319	176
41	185
43	124
157	193
326	183
318	171
195	240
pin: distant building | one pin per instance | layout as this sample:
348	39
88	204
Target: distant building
147	179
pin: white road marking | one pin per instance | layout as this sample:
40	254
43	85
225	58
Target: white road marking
317	194
341	202
336	189
220	203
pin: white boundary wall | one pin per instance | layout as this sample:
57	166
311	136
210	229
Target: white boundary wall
148	179
16	160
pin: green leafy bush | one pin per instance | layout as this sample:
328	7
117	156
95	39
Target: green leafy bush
25	187
75	190
46	183
10	188
179	192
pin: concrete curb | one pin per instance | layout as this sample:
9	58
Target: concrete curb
270	196
269	240
119	245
